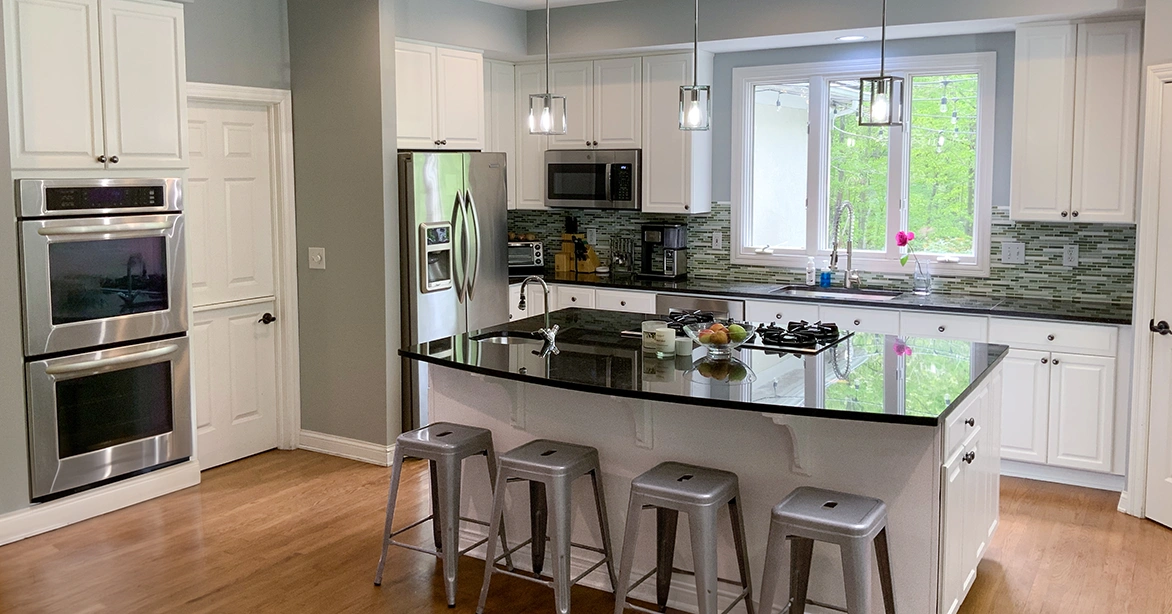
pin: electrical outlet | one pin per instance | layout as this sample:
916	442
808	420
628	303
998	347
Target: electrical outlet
592	236
317	258
1070	256
1012	252
717	239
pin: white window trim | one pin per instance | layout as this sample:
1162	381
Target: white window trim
745	79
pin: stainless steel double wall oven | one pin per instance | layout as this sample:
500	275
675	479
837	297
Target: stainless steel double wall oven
104	286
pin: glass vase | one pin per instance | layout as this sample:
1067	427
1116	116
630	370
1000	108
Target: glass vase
921	280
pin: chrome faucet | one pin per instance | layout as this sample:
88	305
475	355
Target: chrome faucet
549	333
852	276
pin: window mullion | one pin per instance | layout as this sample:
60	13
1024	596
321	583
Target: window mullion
817	167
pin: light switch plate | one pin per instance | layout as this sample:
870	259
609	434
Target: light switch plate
592	236
317	258
717	239
1070	256
1012	252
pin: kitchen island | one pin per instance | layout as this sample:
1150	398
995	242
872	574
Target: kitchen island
911	421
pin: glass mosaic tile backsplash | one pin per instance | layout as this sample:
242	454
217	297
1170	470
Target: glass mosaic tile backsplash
1105	272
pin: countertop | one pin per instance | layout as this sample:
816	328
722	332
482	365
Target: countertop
867	377
1071	311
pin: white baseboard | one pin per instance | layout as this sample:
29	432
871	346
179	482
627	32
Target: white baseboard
1063	475
44	517
352	449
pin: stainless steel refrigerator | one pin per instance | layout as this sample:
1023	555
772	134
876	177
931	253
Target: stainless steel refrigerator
454	257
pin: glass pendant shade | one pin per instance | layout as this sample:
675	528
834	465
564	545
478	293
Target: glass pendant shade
881	101
695	107
547	114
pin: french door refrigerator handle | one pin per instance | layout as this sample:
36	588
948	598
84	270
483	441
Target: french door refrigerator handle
470	203
94	366
459	226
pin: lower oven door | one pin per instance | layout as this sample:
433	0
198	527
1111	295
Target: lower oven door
104	414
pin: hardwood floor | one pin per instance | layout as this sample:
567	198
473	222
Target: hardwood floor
299	532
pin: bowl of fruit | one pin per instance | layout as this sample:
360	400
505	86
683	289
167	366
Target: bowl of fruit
727	371
720	338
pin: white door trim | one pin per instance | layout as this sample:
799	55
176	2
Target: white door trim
1148	238
279	104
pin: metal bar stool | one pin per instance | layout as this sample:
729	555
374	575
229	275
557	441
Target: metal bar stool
671	488
550	467
851	521
445	446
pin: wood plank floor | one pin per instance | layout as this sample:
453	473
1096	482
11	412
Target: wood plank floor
299	532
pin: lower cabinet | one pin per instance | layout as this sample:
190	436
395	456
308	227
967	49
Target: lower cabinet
574	296
1082	411
1026	406
624	300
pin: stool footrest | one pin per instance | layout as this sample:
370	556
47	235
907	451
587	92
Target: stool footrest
677	570
437	553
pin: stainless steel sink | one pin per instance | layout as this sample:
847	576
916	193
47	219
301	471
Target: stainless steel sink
851	294
509	337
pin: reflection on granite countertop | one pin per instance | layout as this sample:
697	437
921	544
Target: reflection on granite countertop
974	304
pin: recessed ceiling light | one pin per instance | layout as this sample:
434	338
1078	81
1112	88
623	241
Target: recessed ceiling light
850	38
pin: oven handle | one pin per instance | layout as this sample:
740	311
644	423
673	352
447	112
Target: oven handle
102	363
50	231
608	165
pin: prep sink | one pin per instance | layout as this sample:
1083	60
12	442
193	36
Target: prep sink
509	337
853	294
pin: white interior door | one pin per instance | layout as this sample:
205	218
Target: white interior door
1159	487
230	211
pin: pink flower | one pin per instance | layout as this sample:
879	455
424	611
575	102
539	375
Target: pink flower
902	348
903	237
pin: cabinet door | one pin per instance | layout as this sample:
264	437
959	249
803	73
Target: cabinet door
530	163
952	534
677	164
501	119
975	496
624	300
54	84
1106	122
575	81
144	83
460	94
1082	411
575	296
515	312
1043	116
618	108
773	312
416	107
1025	406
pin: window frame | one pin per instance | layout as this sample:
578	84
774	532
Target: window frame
818	75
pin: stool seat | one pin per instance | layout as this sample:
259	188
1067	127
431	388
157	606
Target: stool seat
445	438
823	510
549	459
673	484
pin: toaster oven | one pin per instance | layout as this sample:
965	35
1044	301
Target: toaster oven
526	257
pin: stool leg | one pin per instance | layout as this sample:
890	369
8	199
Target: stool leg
603	525
774	557
856	574
884	557
436	532
738	529
559	504
490	458
449	523
498	511
703	529
396	470
630	537
801	559
538	525
666	525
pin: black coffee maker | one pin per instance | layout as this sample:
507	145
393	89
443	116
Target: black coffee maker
665	251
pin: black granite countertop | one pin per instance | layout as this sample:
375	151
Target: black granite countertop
1071	311
867	377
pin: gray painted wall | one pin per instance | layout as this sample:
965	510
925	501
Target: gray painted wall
237	42
724	63
341	106
499	31
1158	32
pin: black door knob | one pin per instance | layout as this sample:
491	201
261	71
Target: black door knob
1064	214
970	457
102	159
1160	327
267	318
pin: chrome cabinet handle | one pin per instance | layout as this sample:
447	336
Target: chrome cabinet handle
92	366
970	457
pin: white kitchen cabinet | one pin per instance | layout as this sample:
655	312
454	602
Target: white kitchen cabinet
1082	412
500	112
677	164
1026	406
574	296
530	162
1075	128
932	325
881	321
96	84
780	313
603	107
624	300
515	312
439	97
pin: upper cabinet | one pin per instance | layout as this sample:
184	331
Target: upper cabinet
96	84
603	106
677	164
1076	122
530	161
500	112
439	97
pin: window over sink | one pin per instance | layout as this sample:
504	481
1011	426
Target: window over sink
799	154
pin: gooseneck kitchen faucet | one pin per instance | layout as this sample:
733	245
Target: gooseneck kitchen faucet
852	276
549	333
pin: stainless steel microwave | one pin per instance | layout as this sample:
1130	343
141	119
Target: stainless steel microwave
593	178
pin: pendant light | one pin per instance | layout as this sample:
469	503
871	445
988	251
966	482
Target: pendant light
547	112
695	100
881	98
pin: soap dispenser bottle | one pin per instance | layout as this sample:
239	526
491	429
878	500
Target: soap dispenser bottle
811	272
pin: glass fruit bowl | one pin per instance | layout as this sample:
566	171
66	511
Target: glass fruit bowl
728	371
722	337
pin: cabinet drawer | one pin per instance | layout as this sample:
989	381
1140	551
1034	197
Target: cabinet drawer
961	426
1054	336
618	300
862	320
943	326
570	296
770	312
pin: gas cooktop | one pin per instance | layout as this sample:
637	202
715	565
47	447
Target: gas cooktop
797	337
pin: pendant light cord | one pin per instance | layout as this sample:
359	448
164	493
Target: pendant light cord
696	45
548	85
882	41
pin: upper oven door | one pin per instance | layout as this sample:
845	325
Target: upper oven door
94	281
77	197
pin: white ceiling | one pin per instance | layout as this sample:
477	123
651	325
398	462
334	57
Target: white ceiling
540	4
